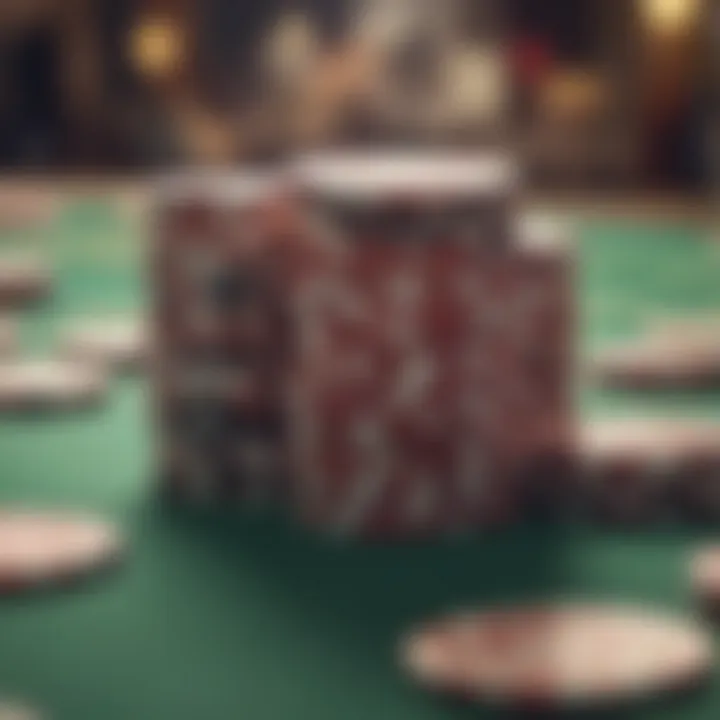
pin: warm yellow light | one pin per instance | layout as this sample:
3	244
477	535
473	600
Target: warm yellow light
573	95
156	47
669	16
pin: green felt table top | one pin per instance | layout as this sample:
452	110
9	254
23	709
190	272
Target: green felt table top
221	616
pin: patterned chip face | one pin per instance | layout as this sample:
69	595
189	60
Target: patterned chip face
424	373
557	655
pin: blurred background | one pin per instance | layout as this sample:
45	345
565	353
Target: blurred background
615	100
593	93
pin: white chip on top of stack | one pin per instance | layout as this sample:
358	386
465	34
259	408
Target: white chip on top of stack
113	341
368	177
557	656
49	383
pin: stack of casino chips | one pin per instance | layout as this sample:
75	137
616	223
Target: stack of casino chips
219	339
433	362
387	361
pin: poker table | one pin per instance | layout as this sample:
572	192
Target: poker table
218	614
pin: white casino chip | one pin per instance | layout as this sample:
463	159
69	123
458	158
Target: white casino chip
115	342
49	383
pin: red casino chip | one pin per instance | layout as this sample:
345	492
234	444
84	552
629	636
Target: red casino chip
47	549
558	656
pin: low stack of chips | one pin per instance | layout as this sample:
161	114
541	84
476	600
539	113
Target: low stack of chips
401	349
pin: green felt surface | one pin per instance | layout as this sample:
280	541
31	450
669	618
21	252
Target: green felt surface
223	616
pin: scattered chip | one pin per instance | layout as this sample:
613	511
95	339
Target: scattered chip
659	365
634	468
46	384
114	342
11	710
23	279
8	336
45	549
655	440
673	352
558	656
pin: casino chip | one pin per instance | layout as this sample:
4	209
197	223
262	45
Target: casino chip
674	352
46	384
45	549
23	279
17	711
634	468
121	343
8	336
551	657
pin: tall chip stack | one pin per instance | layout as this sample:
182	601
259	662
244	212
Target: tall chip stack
433	364
384	349
219	339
